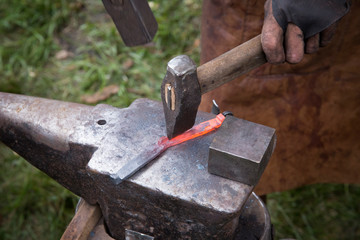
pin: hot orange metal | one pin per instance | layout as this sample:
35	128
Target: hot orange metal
196	131
151	152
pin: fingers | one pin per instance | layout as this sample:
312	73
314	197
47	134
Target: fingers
272	37
320	40
272	43
291	46
312	44
327	34
294	44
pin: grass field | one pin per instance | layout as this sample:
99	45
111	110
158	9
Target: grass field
70	50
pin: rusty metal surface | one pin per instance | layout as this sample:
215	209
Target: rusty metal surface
181	95
241	150
83	147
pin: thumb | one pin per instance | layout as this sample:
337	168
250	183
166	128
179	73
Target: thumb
272	37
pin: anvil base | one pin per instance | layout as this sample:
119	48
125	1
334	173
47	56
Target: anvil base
254	223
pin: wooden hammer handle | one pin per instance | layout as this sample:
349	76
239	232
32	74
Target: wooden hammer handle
231	65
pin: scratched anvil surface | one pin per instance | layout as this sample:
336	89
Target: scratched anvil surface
83	147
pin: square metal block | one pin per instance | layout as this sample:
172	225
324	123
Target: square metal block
241	150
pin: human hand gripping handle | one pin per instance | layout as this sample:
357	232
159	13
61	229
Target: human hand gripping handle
294	27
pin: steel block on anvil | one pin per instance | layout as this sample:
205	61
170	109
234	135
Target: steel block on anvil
241	150
84	147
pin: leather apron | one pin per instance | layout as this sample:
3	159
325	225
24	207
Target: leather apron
314	106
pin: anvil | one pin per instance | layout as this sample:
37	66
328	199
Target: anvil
83	147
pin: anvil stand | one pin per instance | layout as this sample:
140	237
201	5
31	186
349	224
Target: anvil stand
174	197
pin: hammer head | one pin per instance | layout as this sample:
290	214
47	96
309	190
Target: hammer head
181	95
133	19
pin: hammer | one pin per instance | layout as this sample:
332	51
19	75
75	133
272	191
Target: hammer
133	19
184	84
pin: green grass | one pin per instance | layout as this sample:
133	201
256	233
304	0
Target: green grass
100	57
321	211
33	206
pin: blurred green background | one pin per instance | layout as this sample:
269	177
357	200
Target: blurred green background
70	50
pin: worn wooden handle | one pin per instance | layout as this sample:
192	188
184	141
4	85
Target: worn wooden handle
231	65
85	219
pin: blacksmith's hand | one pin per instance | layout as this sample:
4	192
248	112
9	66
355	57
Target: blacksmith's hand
294	27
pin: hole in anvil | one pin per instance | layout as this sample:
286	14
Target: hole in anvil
101	122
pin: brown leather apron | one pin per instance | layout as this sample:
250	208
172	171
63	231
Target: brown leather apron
314	105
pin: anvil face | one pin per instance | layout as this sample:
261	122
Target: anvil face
83	148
